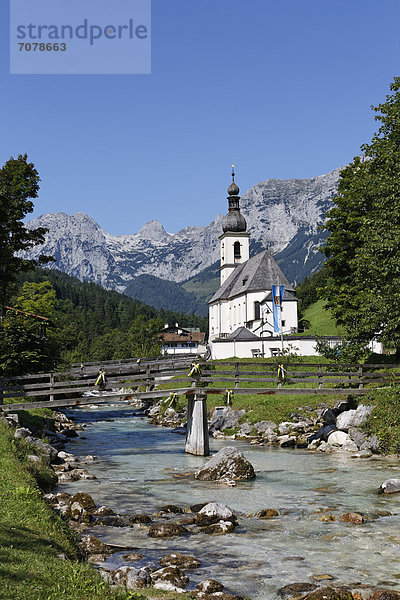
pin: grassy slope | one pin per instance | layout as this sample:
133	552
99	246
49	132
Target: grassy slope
321	320
32	538
276	408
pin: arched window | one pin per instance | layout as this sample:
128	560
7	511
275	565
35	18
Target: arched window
236	251
257	310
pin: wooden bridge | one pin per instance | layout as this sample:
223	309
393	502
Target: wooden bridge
142	378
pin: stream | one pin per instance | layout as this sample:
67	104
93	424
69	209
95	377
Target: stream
141	467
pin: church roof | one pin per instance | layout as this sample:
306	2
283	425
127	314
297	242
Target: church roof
287	297
242	334
258	273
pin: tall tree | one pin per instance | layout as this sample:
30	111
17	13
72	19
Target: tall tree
19	182
363	249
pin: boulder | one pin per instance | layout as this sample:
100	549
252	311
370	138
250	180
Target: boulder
338	438
137	579
263	426
385	595
351	517
267	513
390	486
171	508
322	433
227	463
166	530
288	427
296	589
329	593
182	561
48	452
139	519
219	528
209	586
170	579
343	405
328	417
92	545
245	429
353	418
103	511
286	441
112	521
362	454
215	509
227	418
22	432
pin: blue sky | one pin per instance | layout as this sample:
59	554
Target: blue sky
279	89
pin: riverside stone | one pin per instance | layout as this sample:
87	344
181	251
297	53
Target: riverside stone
390	486
22	432
225	419
353	418
351	517
170	579
322	433
219	528
92	545
338	438
81	507
328	417
296	589
227	463
183	561
209	586
267	513
263	426
329	593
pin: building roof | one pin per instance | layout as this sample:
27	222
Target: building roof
287	297
259	273
242	334
184	337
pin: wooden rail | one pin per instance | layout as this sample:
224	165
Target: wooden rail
142	378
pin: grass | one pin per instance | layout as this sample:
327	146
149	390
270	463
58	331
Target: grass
39	557
321	320
384	421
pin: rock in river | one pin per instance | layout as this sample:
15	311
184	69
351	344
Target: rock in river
227	463
390	486
170	579
182	561
166	530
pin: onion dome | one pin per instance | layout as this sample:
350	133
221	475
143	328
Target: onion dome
234	221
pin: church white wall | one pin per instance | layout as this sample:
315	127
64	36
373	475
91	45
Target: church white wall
227	316
301	346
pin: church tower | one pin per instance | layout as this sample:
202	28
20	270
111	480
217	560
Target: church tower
235	239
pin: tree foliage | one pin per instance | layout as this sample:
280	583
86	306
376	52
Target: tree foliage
19	182
363	249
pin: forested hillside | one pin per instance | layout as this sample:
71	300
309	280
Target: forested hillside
91	323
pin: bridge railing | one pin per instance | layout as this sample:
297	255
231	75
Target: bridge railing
157	378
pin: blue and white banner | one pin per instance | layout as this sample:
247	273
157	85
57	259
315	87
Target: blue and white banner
277	299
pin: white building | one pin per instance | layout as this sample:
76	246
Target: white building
240	312
179	340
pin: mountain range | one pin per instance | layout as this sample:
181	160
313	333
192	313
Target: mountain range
282	215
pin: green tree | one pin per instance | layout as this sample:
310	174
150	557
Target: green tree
363	249
145	337
39	298
19	181
28	344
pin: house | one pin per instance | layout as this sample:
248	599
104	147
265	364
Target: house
177	340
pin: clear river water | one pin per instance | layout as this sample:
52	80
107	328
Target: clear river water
141	467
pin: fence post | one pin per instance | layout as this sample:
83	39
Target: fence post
360	377
148	384
51	386
237	375
320	377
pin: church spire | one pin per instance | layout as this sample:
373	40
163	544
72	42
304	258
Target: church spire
234	221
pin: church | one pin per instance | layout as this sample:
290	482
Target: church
246	320
241	311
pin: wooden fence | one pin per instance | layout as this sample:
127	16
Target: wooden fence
157	378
